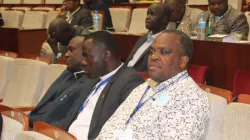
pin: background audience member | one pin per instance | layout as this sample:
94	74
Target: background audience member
170	105
158	16
110	84
75	15
1	20
183	18
58	100
100	5
224	19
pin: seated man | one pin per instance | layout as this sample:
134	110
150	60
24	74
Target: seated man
224	19
111	82
100	5
60	32
61	92
158	16
75	15
1	20
170	105
183	18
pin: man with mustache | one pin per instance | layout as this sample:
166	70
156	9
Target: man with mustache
170	105
158	16
224	19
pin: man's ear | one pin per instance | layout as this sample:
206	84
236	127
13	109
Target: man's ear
184	61
107	55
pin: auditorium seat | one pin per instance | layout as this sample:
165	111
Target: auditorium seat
38	58
53	1
218	91
241	82
198	73
248	20
24	8
27	80
244	98
45	8
43	131
33	1
214	124
12	1
46	51
52	73
3	8
237	4
8	54
12	19
236	122
120	18
197	2
51	15
137	24
5	68
14	121
34	19
1	1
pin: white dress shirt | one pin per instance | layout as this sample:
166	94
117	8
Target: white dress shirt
80	127
142	49
177	112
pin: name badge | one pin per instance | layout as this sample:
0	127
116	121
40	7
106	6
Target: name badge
124	135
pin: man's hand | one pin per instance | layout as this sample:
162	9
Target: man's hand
53	44
62	12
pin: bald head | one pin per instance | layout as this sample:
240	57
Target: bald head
178	8
60	30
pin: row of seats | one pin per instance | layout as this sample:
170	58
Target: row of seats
32	1
41	19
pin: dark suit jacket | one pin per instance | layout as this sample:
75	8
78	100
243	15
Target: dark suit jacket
1	20
141	64
114	93
82	18
60	96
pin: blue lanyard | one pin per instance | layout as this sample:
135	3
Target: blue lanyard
141	104
93	92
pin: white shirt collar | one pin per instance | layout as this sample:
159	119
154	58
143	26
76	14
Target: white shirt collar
75	73
152	36
111	73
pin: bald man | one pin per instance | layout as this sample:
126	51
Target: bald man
57	101
183	18
61	32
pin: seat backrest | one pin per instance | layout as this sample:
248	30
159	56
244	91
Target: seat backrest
12	1
33	1
137	24
26	83
241	82
12	18
244	98
53	1
197	2
214	124
3	8
53	72
237	4
14	121
24	8
38	58
46	8
51	15
8	54
218	91
5	68
52	132
34	19
198	73
236	122
120	18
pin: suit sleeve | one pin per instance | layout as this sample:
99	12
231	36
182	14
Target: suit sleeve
86	19
240	26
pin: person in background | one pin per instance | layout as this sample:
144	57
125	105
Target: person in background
74	14
58	99
158	16
1	20
109	85
183	18
168	106
100	6
224	19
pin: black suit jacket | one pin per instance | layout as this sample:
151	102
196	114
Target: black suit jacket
114	93
1	20
82	18
62	93
141	64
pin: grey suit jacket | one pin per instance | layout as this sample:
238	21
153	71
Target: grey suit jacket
59	99
114	93
82	18
141	64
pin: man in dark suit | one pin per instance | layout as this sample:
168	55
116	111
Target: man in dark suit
75	14
1	20
52	106
158	16
110	84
